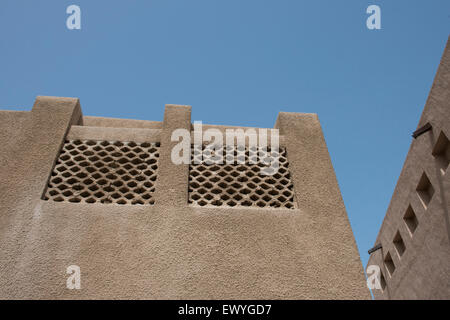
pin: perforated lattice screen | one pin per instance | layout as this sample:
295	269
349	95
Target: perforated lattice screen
239	184
106	172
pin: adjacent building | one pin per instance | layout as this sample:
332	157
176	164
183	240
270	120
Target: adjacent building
412	248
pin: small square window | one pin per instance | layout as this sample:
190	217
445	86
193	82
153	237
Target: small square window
441	152
399	244
410	220
425	190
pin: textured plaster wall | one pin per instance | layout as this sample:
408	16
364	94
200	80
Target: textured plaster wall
120	123
169	250
423	270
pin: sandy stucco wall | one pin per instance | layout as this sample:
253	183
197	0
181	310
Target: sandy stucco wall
422	271
169	250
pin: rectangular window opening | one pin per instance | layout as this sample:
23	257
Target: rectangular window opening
108	172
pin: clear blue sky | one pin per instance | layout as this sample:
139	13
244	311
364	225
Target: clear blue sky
240	62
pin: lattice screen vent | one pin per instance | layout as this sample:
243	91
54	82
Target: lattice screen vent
106	172
240	184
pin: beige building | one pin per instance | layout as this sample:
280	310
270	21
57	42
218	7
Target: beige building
103	195
413	245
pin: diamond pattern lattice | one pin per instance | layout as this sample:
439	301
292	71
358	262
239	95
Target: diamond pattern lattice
106	172
239	184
